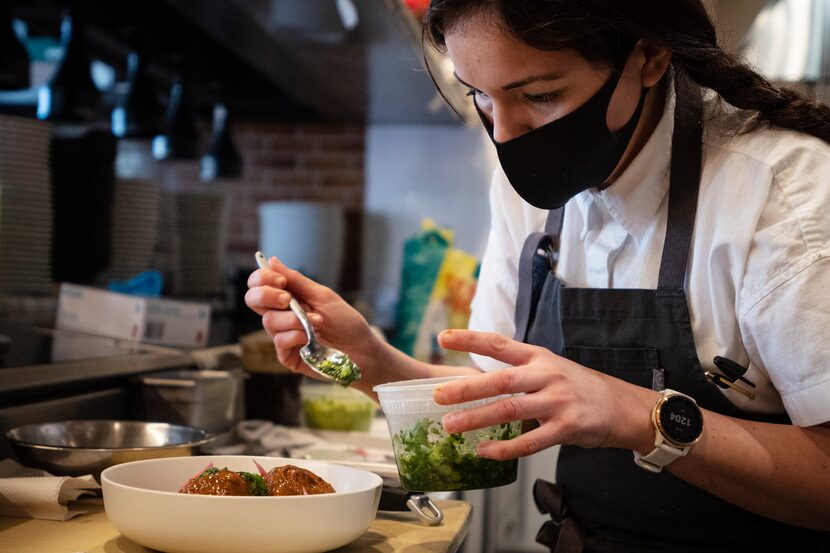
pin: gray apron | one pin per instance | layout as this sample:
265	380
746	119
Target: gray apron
602	501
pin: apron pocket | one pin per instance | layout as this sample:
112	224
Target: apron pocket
640	366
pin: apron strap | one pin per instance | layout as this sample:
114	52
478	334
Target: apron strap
553	224
529	287
684	183
527	291
561	534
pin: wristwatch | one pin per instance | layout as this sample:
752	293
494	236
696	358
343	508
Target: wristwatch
678	424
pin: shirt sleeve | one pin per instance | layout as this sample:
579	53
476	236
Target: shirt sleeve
785	334
494	302
785	304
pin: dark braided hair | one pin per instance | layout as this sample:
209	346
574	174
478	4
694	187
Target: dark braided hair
604	31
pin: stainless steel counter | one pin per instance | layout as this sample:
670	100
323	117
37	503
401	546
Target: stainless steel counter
38	358
48	375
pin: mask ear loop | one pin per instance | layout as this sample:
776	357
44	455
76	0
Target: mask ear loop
638	113
644	91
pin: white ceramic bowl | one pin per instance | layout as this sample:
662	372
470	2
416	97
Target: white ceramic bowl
141	500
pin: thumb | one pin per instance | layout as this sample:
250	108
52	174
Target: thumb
298	284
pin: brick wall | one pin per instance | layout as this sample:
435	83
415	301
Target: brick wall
287	161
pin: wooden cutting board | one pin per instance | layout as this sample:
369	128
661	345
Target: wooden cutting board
92	533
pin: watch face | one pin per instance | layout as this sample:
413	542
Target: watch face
681	420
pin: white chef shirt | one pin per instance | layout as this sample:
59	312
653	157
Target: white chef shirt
758	280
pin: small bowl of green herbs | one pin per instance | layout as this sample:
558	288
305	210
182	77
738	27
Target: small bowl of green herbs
428	457
333	407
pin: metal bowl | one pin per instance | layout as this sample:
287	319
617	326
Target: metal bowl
78	447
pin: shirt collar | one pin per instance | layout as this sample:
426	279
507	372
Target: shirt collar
633	199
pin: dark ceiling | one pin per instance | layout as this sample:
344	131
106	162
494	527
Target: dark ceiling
172	44
231	50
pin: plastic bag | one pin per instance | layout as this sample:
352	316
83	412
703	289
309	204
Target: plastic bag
423	255
149	284
435	294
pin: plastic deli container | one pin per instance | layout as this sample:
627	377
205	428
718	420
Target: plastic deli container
430	459
333	407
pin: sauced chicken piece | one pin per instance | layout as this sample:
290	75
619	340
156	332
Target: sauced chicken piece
218	482
291	480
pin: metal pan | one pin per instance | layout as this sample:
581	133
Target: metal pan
80	447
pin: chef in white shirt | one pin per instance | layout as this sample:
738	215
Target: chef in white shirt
654	281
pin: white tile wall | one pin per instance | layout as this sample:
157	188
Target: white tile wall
415	171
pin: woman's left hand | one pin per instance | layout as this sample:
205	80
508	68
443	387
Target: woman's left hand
574	405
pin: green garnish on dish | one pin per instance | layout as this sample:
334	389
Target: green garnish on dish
429	459
257	482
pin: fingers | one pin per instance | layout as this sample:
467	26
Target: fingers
287	341
513	408
488	344
268	296
506	381
266	291
290	356
277	321
297	282
266	277
520	446
264	298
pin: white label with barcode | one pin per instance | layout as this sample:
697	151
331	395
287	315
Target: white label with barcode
154	330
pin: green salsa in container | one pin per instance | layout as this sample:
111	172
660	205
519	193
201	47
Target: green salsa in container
332	407
430	459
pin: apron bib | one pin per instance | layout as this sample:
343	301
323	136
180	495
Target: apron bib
603	502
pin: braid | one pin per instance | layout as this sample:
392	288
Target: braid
743	88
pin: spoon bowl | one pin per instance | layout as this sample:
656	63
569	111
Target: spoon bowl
328	362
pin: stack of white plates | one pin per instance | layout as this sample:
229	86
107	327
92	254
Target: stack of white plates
25	206
134	227
201	224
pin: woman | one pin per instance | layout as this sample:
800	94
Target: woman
658	204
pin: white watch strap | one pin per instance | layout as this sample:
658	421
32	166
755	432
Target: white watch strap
660	456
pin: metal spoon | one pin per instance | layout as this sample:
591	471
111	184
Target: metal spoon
331	363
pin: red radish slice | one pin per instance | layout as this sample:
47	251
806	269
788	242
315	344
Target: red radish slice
262	471
208	466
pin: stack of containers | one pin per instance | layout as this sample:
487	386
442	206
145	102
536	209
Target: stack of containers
201	227
25	207
168	245
134	227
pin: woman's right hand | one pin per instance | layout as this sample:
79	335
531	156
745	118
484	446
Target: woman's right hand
335	322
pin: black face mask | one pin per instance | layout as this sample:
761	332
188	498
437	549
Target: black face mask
553	163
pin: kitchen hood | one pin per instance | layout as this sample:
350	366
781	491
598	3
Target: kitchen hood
349	60
789	41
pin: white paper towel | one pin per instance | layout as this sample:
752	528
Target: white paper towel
26	492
